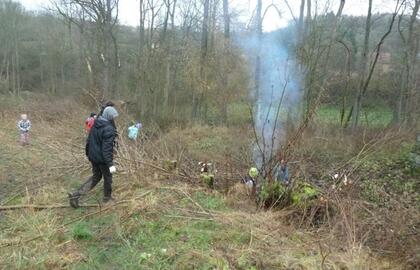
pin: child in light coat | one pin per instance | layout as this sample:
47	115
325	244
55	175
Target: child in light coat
24	125
133	131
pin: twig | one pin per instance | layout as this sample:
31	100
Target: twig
250	240
194	202
323	256
186	217
191	199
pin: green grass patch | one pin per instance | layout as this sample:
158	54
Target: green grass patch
163	243
375	117
16	199
81	230
208	143
168	240
211	202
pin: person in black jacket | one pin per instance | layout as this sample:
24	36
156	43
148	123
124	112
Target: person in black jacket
99	150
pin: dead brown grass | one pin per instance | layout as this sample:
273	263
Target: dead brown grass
356	236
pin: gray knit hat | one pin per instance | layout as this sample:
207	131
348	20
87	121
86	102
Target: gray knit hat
110	113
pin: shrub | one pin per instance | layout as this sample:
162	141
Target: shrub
273	194
208	179
303	193
276	194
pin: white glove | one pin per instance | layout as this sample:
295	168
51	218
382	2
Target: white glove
112	169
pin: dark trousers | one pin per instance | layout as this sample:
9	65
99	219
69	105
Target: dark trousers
98	171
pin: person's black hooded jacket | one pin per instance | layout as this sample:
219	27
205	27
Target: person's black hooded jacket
100	142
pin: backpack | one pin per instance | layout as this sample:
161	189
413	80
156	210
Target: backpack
89	123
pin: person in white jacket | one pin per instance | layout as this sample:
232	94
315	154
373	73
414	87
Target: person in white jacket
24	125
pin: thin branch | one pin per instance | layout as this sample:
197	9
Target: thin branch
271	6
291	11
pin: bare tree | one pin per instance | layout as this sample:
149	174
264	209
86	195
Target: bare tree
301	19
308	17
405	104
366	74
10	19
259	34
316	56
226	46
363	64
101	18
170	14
203	56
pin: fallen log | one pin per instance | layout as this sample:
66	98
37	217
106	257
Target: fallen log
57	206
42	207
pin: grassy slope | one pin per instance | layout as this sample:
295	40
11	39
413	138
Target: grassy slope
176	226
375	117
370	117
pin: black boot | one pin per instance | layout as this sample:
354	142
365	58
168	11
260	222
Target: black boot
108	199
74	199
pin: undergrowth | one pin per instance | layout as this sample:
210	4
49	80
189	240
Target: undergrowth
171	220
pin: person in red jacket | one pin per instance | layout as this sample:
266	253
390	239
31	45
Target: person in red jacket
89	122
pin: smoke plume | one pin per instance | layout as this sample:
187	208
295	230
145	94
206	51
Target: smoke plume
275	93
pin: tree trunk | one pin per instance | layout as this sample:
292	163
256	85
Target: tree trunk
300	22
226	18
169	59
141	26
213	26
139	93
107	57
226	44
16	88
203	57
364	82
259	44
411	65
308	18
362	67
166	21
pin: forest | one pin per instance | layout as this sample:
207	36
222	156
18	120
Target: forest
307	137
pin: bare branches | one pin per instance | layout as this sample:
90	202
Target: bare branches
365	81
268	8
291	11
379	45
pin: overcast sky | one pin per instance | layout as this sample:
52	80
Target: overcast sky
129	9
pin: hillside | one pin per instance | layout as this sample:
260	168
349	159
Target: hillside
272	136
161	220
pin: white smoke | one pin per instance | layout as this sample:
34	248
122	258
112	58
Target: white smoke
277	98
